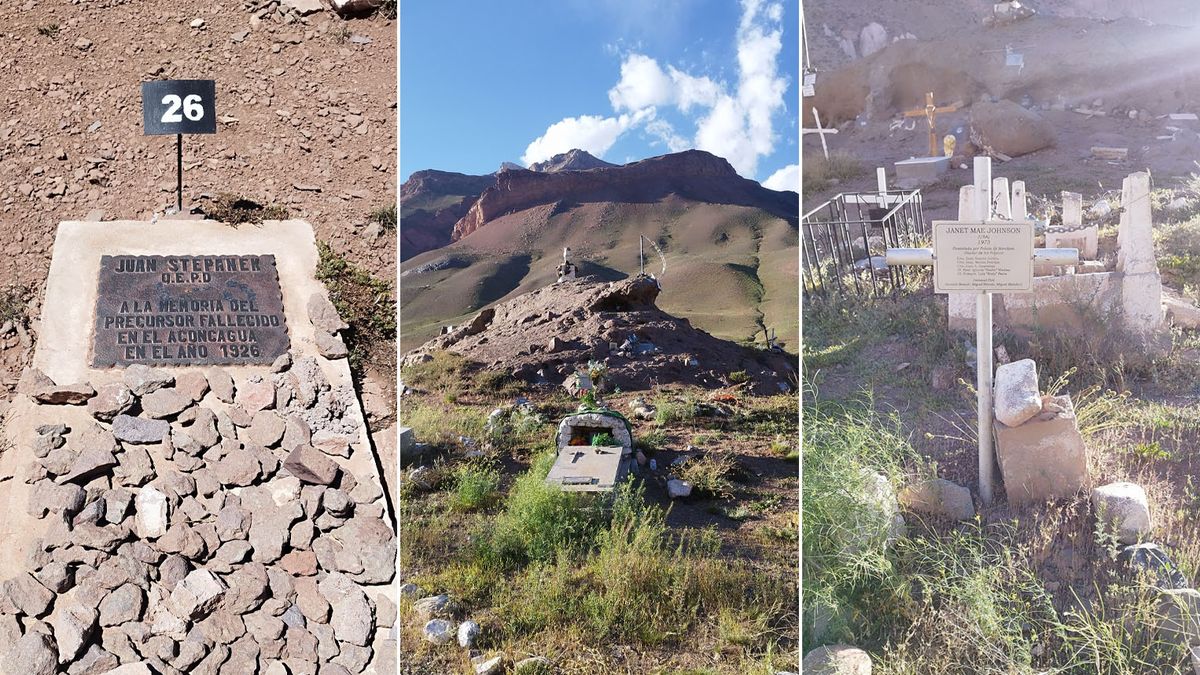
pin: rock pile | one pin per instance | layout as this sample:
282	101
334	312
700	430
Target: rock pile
617	323
200	525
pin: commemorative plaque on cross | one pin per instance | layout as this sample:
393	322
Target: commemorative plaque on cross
985	255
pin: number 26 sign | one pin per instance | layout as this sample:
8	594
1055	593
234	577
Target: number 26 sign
179	107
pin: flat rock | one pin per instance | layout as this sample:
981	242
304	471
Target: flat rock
165	402
123	605
352	615
311	466
1017	398
331	346
324	315
266	428
142	379
65	394
110	400
1124	509
139	430
238	468
255	394
23	594
92	461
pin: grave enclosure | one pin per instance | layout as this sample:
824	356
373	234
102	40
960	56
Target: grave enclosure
189	481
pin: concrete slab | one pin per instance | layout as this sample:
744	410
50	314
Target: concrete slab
65	332
920	170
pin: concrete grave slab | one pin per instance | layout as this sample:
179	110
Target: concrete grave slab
67	330
920	170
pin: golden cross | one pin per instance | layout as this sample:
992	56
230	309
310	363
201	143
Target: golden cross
929	112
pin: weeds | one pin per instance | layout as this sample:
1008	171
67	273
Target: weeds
709	475
386	217
820	173
233	210
14	304
49	30
475	486
364	302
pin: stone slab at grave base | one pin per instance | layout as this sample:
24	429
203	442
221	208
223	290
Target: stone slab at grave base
354	524
920	171
1043	458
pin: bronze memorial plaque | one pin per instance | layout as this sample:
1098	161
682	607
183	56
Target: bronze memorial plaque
184	310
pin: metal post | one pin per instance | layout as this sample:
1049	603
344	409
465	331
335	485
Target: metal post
983	382
641	256
983	342
179	174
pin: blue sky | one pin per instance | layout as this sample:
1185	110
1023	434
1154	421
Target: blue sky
484	82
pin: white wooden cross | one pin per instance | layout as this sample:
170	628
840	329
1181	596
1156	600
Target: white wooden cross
981	193
819	132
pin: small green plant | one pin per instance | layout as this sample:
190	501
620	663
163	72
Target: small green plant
1150	451
710	474
49	30
738	377
366	303
603	440
386	217
651	441
14	304
475	486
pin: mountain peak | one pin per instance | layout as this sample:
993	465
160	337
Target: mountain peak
571	160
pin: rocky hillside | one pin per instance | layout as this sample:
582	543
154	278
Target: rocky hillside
571	160
708	221
431	202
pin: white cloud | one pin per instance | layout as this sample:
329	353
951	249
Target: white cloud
592	133
643	85
666	133
736	124
787	178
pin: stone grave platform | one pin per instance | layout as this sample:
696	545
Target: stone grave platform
920	170
188	480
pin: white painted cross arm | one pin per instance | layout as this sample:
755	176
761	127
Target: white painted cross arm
924	256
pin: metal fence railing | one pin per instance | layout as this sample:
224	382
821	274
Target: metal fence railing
843	243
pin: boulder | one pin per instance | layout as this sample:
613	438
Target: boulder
468	631
192	384
324	315
678	489
1006	127
1152	560
122	605
939	497
836	660
1178	618
352	614
872	38
1044	458
1124	510
439	631
221	384
23	594
256	393
1016	392
331	346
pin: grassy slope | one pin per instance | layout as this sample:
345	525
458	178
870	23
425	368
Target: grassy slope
1022	590
719	272
596	591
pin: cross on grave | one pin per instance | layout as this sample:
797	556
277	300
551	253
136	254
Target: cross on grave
820	132
929	112
985	255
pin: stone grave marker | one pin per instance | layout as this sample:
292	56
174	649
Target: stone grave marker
979	256
186	417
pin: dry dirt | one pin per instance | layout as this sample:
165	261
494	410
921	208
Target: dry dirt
300	103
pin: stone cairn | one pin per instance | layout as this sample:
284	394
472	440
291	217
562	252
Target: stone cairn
200	525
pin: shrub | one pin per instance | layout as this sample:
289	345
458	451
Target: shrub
475	485
709	474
